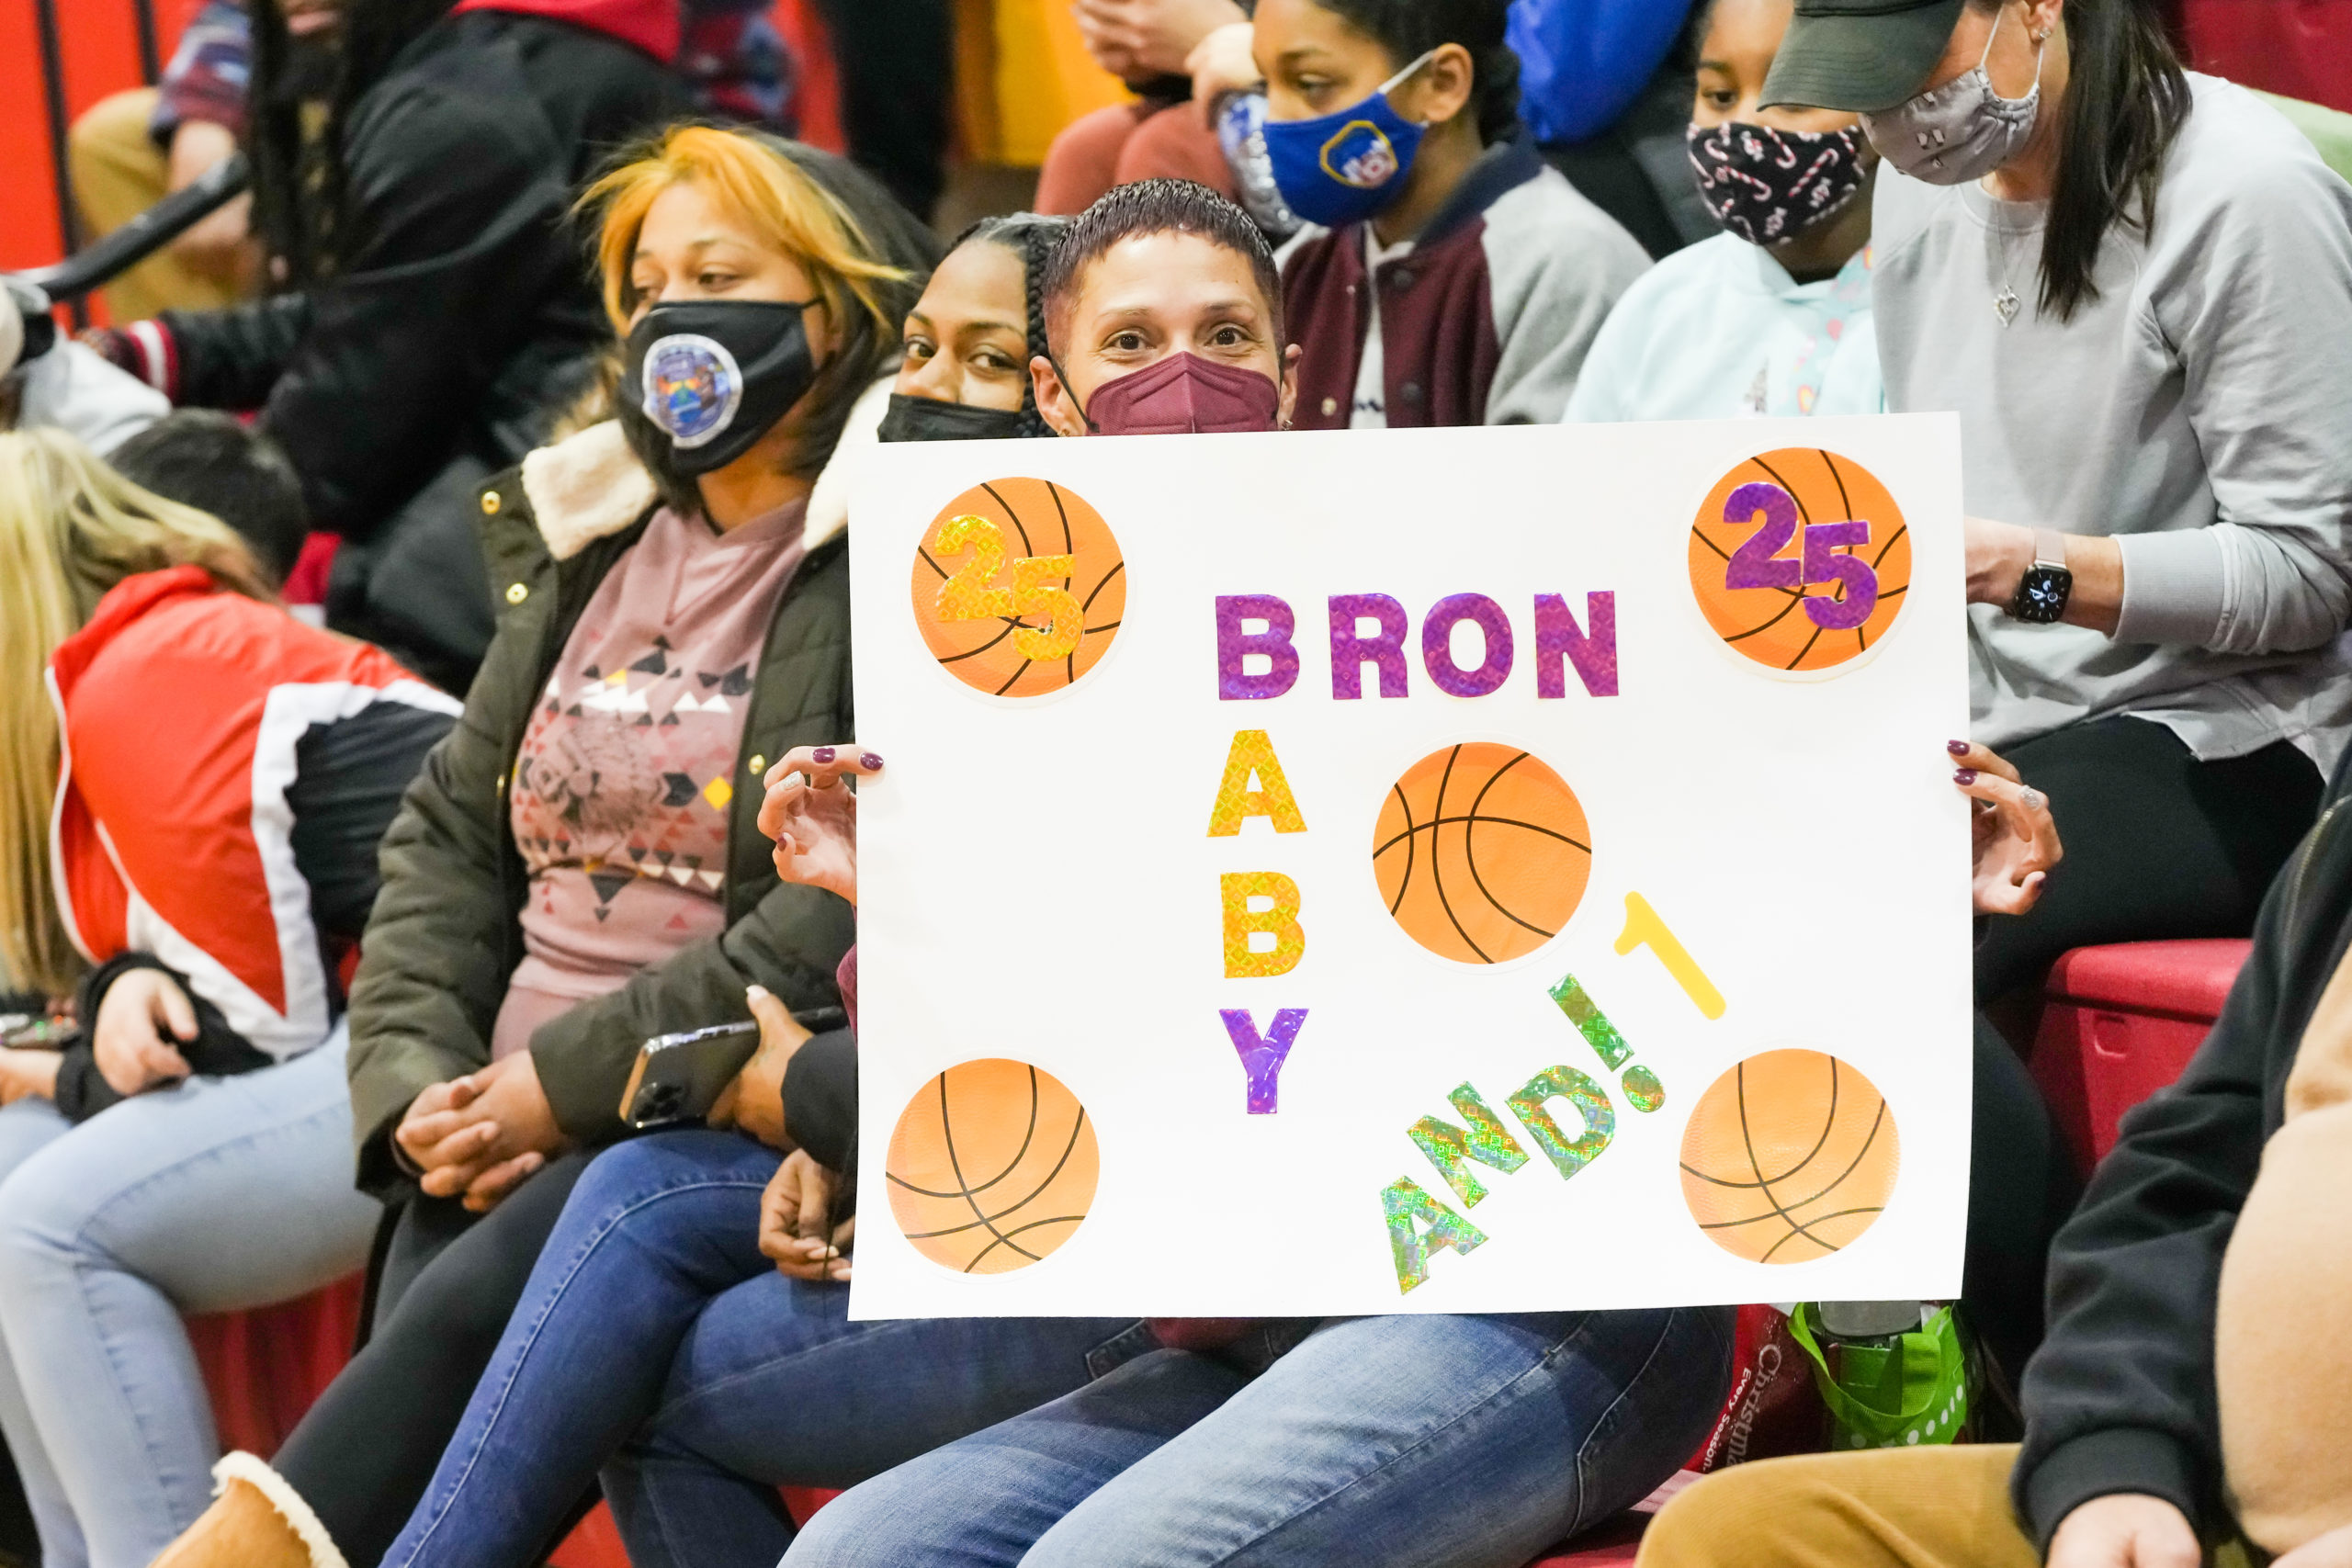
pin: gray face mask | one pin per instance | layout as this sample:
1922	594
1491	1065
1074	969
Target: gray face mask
1959	132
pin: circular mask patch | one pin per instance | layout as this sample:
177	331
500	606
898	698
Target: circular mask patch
692	387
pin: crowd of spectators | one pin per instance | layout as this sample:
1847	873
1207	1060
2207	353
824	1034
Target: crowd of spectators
324	904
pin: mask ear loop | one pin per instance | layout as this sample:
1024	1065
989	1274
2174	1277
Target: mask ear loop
1405	74
1071	393
2040	51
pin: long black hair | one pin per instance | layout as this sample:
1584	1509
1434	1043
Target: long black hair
2126	101
1030	236
1410	28
302	93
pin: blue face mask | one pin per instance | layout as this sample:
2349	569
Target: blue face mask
1342	168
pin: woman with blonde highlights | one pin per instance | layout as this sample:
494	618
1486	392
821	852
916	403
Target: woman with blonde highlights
579	869
191	784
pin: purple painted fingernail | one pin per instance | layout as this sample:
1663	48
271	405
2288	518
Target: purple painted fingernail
821	754
871	759
1956	747
1963	776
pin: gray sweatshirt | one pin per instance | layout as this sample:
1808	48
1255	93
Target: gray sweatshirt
2199	411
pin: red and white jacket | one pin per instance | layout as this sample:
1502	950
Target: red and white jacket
181	711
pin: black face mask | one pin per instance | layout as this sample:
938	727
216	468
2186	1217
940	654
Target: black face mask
928	418
711	377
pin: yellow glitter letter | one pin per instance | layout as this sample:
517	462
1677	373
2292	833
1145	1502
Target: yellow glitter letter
1592	1102
1242	922
1485	1140
1405	1204
1253	752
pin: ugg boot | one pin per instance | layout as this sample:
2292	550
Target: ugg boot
257	1520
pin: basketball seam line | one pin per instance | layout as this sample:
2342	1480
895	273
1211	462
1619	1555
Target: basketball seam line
1437	877
1076	1128
947	1135
1471	855
1747	1139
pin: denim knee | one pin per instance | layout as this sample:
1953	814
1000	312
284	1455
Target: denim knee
45	1213
627	1173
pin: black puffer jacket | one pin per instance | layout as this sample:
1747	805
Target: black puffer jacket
459	319
445	934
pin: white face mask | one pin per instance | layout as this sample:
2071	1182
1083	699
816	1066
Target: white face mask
1961	130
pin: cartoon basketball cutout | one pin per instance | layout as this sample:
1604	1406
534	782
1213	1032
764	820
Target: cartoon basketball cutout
991	1167
1789	1156
1019	587
1800	560
1481	852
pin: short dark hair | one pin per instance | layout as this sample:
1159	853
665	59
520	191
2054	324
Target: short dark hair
1410	28
1156	207
216	463
1031	236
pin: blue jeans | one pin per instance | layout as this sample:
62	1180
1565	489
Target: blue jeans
217	1194
654	1341
1380	1442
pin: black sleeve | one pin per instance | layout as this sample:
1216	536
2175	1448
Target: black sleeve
217	1050
2120	1397
460	200
229	358
821	1101
349	780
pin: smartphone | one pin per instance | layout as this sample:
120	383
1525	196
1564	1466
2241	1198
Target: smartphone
678	1077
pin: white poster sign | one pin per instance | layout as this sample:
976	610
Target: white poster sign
1449	869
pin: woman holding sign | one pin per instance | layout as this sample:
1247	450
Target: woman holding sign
1772	316
2134	285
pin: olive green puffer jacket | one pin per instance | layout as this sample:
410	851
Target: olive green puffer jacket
445	934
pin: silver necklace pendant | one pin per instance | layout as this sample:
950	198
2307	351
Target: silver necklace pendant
2006	303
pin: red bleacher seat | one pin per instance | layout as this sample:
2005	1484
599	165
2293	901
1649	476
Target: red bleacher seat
2120	1022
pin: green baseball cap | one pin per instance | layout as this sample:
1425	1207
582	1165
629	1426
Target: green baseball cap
1859	54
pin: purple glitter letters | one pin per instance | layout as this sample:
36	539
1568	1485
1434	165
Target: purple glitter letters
1437	644
1558	639
1351	651
1234	645
1262	1055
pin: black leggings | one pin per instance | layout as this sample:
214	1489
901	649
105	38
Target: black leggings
2158	845
365	1454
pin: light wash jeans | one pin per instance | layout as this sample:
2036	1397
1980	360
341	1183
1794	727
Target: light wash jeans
218	1194
1380	1442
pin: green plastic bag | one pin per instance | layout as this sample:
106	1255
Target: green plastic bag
1890	1396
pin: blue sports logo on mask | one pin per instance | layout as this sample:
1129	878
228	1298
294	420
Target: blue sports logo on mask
1361	155
692	387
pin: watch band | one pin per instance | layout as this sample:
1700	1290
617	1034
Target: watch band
2049	548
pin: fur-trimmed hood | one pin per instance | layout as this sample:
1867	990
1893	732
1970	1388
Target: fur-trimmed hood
590	484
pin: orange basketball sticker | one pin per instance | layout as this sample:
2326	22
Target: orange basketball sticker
1789	1156
1018	587
1800	560
1481	852
993	1165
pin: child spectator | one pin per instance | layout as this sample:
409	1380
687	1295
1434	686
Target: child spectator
665	566
217	463
187	838
1773	315
1456	277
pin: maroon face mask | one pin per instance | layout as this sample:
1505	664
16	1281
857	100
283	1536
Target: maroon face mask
1184	394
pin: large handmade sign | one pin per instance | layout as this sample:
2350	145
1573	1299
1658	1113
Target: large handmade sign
1449	869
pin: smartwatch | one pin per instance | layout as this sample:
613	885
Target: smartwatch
2047	585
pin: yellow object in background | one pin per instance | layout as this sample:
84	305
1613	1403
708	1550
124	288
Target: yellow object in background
1023	74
